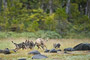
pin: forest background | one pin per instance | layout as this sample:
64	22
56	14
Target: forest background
45	18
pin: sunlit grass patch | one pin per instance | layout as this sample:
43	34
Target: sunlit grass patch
80	57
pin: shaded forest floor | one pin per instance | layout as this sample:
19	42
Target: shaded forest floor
65	43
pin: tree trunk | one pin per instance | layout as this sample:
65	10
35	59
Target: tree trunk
68	7
5	4
63	3
0	5
28	5
42	4
88	8
50	6
81	10
12	4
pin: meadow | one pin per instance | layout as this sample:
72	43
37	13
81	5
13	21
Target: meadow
65	43
60	21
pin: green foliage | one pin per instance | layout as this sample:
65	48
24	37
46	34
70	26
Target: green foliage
62	22
50	22
82	24
36	20
27	16
61	14
74	10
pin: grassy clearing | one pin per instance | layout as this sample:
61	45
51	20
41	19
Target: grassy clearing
76	55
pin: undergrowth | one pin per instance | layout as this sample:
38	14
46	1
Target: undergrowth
44	34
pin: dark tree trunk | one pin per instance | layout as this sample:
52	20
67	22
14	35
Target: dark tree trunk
88	8
28	5
63	3
81	10
0	5
43	5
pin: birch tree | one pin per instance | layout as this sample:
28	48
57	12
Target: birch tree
50	6
5	4
68	7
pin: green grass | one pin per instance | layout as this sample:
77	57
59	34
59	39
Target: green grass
76	55
80	57
41	33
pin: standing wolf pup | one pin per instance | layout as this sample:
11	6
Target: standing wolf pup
19	45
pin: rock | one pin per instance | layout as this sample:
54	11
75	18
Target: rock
59	50
22	59
0	58
6	51
82	46
1	51
69	49
39	56
46	50
53	51
34	52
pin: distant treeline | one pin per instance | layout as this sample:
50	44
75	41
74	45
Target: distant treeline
64	17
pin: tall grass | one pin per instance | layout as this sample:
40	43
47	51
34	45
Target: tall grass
78	35
41	34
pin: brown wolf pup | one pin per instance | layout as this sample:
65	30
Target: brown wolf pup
40	43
